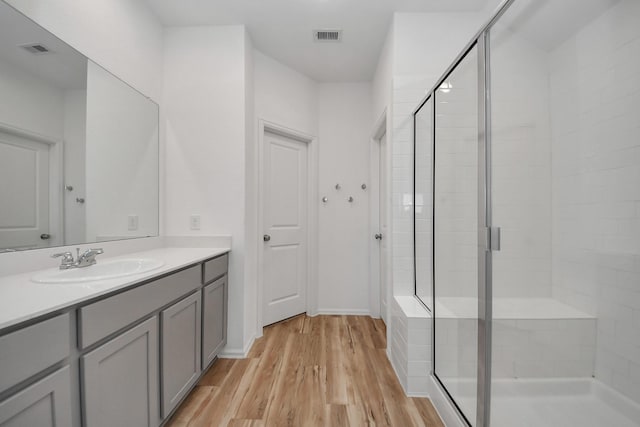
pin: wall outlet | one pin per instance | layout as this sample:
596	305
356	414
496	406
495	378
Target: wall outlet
194	222
132	222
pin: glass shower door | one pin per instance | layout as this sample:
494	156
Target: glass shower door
456	234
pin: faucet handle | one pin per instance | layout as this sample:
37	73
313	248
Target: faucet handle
67	260
66	256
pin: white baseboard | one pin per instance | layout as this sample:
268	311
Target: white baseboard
236	353
343	312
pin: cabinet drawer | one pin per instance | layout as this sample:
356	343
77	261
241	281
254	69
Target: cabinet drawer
102	318
27	351
215	268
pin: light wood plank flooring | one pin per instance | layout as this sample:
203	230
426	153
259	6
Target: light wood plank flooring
307	371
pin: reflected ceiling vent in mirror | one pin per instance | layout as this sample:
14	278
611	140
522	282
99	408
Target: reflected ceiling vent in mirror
334	36
36	48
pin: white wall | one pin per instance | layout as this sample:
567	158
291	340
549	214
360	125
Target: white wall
205	111
382	82
344	112
121	35
595	101
340	115
284	96
425	44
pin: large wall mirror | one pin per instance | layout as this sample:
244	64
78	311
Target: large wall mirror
78	146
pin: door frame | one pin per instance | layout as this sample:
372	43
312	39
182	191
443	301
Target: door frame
312	216
56	178
380	128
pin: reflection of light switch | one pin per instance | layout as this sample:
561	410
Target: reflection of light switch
132	222
194	221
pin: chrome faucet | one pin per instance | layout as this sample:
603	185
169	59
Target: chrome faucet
85	260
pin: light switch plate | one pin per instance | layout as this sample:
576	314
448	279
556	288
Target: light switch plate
194	222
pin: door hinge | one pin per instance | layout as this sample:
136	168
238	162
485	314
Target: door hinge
493	239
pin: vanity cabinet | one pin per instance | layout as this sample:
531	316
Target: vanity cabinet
126	359
47	403
120	379
214	319
181	326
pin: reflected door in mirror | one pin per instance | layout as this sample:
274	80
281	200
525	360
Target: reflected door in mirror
24	192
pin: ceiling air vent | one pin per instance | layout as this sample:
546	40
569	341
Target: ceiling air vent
36	48
327	35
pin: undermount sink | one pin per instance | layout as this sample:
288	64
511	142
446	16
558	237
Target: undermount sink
100	271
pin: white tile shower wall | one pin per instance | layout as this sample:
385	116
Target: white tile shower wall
540	348
424	44
520	166
411	346
521	348
456	178
595	89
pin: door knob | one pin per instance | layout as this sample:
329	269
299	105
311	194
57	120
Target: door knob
45	236
378	236
266	237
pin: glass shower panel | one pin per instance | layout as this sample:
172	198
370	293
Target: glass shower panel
423	213
455	240
565	166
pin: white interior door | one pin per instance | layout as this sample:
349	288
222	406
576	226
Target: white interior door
383	200
285	228
24	191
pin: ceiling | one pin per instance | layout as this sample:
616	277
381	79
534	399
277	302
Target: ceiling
283	29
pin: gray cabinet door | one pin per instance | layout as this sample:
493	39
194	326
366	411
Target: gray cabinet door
46	403
181	368
214	320
121	379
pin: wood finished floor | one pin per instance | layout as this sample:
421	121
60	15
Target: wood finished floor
307	371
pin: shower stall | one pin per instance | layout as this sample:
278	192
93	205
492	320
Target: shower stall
527	217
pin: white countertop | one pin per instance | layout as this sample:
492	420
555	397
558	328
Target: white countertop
22	300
